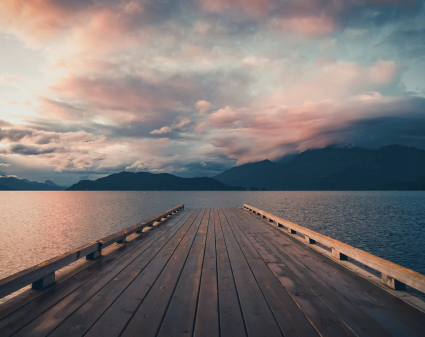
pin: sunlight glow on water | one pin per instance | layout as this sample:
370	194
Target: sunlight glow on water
36	226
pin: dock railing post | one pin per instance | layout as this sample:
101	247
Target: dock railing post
392	275
42	275
44	281
309	240
123	240
392	282
338	255
96	254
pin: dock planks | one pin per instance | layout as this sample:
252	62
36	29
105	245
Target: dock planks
213	272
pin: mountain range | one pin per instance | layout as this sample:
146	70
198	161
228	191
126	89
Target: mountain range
144	181
15	184
392	167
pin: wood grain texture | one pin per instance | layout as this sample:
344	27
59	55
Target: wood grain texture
213	272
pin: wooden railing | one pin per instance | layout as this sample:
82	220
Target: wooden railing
43	274
392	275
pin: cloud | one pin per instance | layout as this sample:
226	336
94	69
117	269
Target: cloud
307	26
164	129
274	130
4	123
339	80
202	106
14	135
29	149
181	125
41	18
384	72
192	87
253	8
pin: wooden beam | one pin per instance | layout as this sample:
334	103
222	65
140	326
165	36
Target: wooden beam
342	251
42	274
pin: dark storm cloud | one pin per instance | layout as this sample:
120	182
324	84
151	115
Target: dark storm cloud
401	123
30	150
14	135
157	84
381	131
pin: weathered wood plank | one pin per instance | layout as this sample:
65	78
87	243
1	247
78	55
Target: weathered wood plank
360	323
109	265
207	321
113	277
121	235
231	319
116	317
180	315
148	317
401	274
396	316
47	268
21	279
258	317
287	314
127	289
322	318
215	273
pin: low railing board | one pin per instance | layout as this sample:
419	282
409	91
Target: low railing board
392	275
43	274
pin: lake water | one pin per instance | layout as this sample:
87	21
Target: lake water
36	226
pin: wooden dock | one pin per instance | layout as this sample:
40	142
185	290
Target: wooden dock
210	272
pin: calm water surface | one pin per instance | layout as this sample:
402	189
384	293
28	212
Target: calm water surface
35	226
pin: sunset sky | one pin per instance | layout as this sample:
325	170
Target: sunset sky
194	87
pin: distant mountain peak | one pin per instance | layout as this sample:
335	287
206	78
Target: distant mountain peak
146	181
336	167
27	185
51	183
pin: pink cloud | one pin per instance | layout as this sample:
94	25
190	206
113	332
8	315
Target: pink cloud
307	26
202	106
260	132
164	129
41	19
336	80
111	29
182	124
78	25
384	72
116	97
254	8
226	117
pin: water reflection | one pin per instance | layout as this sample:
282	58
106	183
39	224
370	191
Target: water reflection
36	226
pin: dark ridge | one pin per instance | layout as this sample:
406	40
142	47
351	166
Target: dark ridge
392	167
26	185
144	181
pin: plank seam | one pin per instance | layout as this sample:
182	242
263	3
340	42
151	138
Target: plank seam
288	238
88	330
131	261
231	268
200	276
94	275
253	274
318	297
178	280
